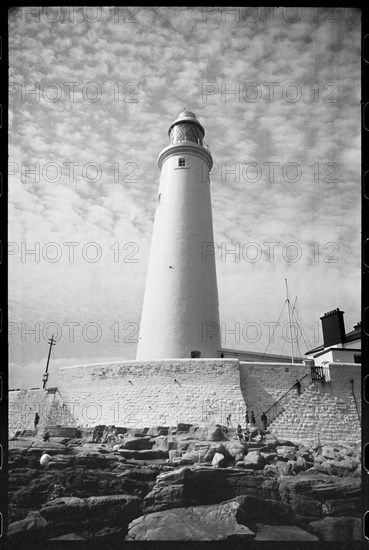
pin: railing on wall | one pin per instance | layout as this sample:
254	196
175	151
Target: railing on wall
278	407
355	401
317	373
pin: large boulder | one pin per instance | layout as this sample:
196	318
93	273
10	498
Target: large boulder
254	460
337	528
163	497
200	485
91	460
70	513
214	522
300	465
174	454
71	510
189	457
216	433
235	448
181	427
306	494
348	464
328	452
286	452
33	527
268	456
267	511
164	443
137	443
219	460
113	509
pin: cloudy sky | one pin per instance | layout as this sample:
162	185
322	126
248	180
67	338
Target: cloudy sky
92	94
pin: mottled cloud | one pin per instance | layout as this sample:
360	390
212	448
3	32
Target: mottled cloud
105	93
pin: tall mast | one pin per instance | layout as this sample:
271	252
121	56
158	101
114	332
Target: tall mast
289	319
46	375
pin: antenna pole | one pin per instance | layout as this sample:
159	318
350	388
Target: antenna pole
46	375
289	319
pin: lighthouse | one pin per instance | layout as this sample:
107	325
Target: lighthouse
180	314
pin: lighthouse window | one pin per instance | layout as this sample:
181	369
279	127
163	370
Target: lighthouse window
181	162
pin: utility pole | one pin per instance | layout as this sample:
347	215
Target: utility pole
46	375
289	318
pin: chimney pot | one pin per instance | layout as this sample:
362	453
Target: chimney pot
333	327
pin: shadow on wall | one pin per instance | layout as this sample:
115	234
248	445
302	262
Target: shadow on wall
263	384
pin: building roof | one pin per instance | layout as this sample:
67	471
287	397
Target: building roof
353	336
259	356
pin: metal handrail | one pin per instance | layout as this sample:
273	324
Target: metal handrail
280	399
354	396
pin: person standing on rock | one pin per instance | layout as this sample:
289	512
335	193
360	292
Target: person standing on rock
264	421
298	387
239	432
228	418
253	421
247	420
37	420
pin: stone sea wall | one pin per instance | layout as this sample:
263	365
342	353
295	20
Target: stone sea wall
24	404
132	393
199	392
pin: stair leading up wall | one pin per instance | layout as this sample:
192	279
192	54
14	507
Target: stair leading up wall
325	410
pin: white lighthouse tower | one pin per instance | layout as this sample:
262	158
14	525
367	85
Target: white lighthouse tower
180	315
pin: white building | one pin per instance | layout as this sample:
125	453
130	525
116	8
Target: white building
180	315
337	345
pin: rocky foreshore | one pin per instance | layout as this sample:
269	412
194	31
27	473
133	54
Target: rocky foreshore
181	484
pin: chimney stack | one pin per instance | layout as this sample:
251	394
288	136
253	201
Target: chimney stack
333	328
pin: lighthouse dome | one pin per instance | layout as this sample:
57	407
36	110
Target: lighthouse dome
186	114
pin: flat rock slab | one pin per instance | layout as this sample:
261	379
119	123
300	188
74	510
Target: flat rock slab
65	432
282	532
147	454
106	510
40	447
215	522
20	443
137	443
70	536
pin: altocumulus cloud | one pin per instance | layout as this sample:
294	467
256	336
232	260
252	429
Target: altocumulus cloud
108	92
